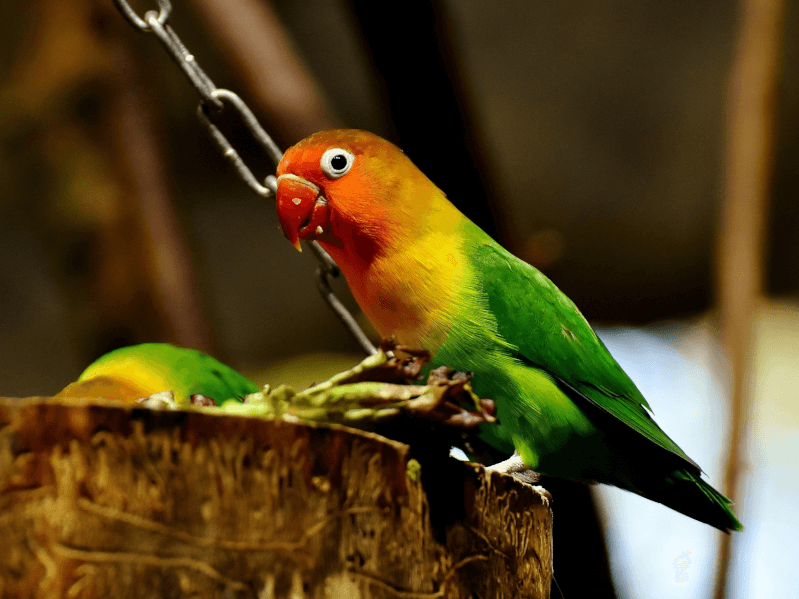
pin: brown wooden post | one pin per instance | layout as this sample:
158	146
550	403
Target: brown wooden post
113	500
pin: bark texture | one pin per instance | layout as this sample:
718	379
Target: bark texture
112	500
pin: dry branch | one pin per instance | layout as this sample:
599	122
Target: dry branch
741	243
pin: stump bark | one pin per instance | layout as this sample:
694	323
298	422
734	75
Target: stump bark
112	500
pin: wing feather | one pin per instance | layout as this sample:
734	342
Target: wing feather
551	334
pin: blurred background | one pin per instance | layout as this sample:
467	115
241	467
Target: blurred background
606	143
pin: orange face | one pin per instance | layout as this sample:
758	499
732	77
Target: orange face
334	182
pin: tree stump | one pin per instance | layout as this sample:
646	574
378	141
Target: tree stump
106	499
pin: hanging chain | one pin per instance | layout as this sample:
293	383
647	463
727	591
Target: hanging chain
213	98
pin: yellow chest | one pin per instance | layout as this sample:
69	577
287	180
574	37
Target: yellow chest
410	292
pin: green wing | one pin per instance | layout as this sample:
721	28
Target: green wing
551	334
187	371
217	380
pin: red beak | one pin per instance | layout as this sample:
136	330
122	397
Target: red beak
301	209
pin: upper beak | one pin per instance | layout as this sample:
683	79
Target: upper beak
301	208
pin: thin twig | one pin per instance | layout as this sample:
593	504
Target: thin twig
741	241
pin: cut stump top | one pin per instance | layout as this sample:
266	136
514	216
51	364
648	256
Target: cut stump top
106	499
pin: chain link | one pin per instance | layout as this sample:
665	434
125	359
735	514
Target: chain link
165	8
216	99
328	270
269	146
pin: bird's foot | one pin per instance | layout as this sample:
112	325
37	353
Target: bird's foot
517	469
513	464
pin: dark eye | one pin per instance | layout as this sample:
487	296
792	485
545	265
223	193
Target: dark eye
336	162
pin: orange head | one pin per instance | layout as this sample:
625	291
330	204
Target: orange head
392	232
349	189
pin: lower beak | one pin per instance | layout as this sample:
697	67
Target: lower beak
301	209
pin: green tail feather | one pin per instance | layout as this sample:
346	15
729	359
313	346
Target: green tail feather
688	494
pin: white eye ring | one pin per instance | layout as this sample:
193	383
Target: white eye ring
336	162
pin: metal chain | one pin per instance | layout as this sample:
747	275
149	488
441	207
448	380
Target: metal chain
213	98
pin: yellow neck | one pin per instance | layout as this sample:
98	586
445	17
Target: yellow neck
407	289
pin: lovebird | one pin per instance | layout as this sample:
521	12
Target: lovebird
424	273
137	371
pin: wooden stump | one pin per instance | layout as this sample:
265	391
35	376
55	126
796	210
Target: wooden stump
112	500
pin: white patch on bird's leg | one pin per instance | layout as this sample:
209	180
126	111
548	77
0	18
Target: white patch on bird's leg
513	464
515	467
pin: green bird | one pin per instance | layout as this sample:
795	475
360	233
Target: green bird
137	371
424	273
